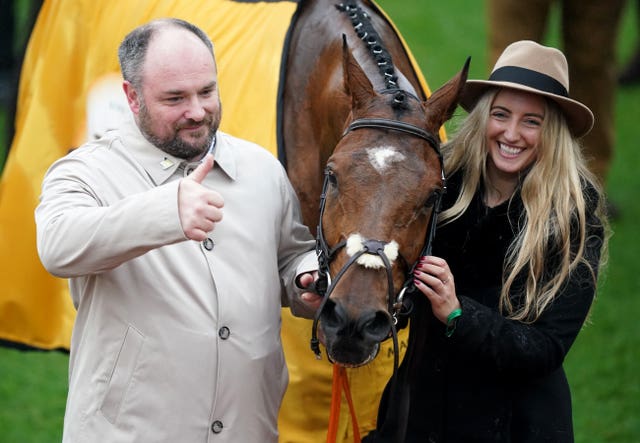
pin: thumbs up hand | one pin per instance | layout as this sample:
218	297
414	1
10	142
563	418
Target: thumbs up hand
199	208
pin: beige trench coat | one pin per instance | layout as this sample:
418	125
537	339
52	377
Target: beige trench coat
174	340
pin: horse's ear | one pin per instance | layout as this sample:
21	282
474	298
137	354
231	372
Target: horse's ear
356	81
442	103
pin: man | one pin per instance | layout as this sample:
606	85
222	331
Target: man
176	266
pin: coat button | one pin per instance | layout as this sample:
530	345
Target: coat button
208	244
216	427
224	332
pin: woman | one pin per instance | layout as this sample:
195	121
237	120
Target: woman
514	269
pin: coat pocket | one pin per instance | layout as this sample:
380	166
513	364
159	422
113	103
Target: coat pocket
121	375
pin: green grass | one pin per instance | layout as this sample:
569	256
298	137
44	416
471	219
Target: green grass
33	387
603	366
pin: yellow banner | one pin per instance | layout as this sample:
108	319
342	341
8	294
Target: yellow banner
74	45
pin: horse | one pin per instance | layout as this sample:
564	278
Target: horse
359	139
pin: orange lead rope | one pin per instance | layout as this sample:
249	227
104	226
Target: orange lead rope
341	382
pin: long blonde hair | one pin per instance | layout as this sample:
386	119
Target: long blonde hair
552	192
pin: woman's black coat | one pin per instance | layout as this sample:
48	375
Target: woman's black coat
494	380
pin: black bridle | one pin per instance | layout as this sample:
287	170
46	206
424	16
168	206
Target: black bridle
324	286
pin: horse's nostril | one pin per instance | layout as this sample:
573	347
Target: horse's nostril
378	327
332	316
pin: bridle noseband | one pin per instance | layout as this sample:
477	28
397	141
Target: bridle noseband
324	285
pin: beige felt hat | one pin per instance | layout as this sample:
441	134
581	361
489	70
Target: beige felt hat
528	66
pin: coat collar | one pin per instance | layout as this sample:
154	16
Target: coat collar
161	166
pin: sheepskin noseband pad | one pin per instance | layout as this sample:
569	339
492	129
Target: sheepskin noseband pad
356	243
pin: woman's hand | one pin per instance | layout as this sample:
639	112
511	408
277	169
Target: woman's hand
433	278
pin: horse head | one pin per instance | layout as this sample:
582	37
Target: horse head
381	191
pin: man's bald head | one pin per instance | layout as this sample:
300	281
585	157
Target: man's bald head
133	49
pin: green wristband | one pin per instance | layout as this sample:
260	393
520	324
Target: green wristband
452	319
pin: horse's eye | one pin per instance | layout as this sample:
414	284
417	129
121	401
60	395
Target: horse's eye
331	176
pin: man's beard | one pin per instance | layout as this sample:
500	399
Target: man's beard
175	145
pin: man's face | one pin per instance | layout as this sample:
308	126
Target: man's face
177	107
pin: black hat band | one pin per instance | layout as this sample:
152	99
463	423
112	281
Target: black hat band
528	77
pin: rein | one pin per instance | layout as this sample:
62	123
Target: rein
341	383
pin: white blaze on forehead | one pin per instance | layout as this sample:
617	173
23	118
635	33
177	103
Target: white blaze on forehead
383	157
355	244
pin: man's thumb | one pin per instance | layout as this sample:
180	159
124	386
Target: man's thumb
203	169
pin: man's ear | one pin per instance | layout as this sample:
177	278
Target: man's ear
132	97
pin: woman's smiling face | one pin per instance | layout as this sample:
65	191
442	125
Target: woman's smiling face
513	131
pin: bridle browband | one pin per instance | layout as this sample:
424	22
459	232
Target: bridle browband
383	123
325	285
